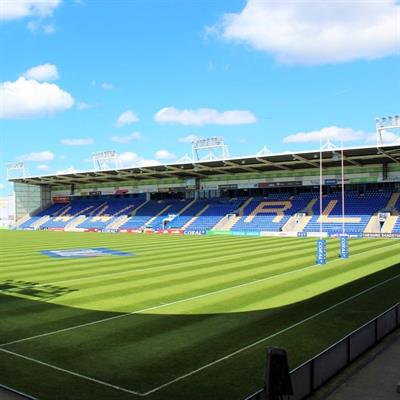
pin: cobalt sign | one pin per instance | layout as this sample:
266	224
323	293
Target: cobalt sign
321	251
344	246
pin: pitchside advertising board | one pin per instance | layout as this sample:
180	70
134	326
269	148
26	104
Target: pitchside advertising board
382	235
357	235
232	233
199	232
279	184
334	182
60	199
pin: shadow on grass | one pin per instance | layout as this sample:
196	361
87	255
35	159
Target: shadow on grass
142	351
33	290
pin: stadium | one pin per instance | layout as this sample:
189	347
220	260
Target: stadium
199	200
195	268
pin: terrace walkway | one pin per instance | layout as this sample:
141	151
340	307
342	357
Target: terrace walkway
374	376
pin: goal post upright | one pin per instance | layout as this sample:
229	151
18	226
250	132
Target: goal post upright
344	239
321	242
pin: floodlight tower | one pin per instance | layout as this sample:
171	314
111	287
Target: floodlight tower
265	151
106	160
16	170
216	147
383	124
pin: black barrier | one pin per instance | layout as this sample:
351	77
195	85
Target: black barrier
329	363
15	394
312	374
362	339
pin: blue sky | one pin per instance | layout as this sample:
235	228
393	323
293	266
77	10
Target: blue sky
145	77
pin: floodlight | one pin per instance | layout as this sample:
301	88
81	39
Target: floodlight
16	170
216	147
391	122
108	159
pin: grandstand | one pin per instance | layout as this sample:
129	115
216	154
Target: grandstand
269	195
185	314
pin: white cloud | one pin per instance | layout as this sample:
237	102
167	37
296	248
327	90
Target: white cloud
37	156
128	158
388	137
309	32
164	155
43	72
2	186
35	26
43	167
27	98
203	116
17	9
69	170
106	86
84	106
126	118
333	133
148	163
189	138
131	159
49	29
77	142
126	139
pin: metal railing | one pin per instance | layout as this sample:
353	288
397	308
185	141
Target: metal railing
312	374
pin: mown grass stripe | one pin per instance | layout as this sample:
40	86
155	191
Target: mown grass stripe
160	343
88	378
264	339
159	306
134	312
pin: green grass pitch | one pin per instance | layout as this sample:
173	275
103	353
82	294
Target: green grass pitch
186	317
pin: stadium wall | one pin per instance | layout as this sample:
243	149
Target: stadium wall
29	198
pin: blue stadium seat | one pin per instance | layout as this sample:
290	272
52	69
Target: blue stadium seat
359	207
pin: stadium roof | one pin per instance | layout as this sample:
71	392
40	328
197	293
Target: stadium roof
355	156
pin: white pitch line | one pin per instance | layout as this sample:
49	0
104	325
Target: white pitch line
72	372
172	303
157	306
169	304
249	346
156	389
95	277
